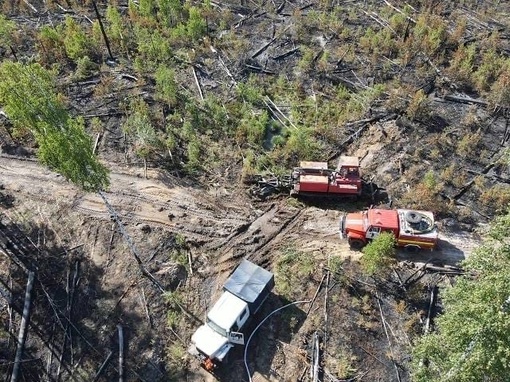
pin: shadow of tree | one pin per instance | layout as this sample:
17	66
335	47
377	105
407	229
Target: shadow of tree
445	253
73	320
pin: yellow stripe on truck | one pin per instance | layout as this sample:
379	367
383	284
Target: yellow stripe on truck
427	243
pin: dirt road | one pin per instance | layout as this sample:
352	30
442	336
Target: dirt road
224	221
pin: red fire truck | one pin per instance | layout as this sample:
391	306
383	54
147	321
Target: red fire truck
412	229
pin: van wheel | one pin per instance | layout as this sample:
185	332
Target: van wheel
356	244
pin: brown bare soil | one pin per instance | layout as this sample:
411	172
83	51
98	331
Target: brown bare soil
221	225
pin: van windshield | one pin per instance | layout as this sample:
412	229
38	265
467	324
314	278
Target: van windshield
218	329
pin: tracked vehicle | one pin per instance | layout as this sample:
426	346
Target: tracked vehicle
316	179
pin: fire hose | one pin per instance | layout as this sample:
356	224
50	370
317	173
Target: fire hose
259	325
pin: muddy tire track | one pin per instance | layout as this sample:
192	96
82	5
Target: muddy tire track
253	241
173	207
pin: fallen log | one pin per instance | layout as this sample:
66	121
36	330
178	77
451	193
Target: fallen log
31	6
364	123
325	335
258	69
71	286
420	271
468	185
98	137
400	11
275	110
316	352
445	270
146	307
429	312
261	50
13	306
472	208
285	55
103	365
315	295
198	83
130	243
464	99
495	177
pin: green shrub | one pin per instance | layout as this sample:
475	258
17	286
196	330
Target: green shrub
471	339
76	41
252	129
7	28
462	63
63	144
140	128
306	61
301	144
467	146
500	90
430	33
378	43
115	26
166	87
497	198
170	11
361	101
153	48
488	70
430	181
419	107
345	364
51	47
85	67
425	194
379	254
250	91
196	25
193	154
293	267
146	7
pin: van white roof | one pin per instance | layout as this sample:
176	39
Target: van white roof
248	281
226	310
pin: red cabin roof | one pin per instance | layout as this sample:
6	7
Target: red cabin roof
387	219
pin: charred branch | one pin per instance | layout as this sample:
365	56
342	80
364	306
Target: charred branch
285	55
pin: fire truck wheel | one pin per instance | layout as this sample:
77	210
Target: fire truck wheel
412	248
356	244
413	217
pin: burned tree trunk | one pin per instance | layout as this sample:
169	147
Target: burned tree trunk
107	42
22	335
121	353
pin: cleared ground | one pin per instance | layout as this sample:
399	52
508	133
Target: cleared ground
219	226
